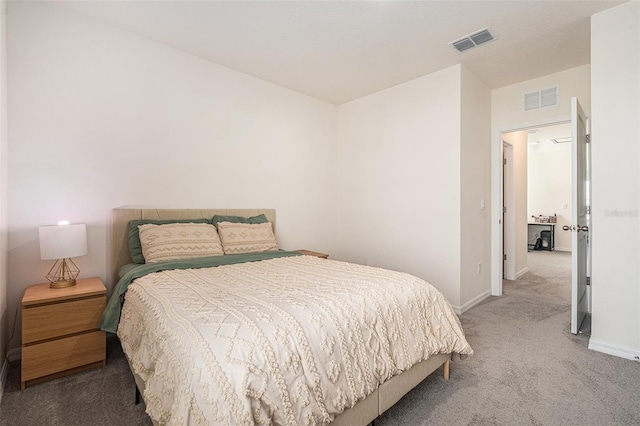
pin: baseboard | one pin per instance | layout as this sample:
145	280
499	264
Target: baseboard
619	351
3	376
459	310
522	272
562	249
12	355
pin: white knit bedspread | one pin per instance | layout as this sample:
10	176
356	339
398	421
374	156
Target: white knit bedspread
293	340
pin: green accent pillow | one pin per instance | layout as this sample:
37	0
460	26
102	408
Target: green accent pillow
135	248
261	218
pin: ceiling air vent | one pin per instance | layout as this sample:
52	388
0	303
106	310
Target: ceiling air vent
544	98
561	140
472	40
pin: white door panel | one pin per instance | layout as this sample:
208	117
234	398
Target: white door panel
579	216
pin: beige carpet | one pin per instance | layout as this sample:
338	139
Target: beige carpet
528	370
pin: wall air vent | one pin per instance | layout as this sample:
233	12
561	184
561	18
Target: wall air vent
472	40
544	98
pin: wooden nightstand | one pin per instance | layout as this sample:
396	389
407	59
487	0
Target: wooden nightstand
312	253
60	333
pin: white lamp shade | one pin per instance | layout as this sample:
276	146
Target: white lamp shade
62	241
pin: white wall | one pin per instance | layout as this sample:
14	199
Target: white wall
404	200
519	142
507	109
399	174
101	118
475	190
549	183
615	56
507	114
4	313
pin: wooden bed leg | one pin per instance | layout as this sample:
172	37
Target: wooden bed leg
137	395
446	369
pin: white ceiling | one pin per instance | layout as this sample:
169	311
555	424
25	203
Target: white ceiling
539	138
337	51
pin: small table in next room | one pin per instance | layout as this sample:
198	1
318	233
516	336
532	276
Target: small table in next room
546	245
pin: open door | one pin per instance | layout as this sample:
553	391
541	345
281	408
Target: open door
579	216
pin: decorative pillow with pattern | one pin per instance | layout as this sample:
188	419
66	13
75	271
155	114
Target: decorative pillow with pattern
135	248
247	237
179	241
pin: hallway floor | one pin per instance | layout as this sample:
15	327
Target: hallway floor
548	279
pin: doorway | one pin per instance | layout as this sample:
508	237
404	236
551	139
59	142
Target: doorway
536	188
518	140
579	217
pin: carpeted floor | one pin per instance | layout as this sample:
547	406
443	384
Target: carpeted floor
528	369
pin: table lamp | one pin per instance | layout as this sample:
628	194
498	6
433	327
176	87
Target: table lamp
61	242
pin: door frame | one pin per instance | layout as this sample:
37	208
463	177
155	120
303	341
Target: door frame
497	188
508	217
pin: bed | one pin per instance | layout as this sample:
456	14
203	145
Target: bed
278	338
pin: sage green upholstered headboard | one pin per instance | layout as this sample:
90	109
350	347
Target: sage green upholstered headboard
121	216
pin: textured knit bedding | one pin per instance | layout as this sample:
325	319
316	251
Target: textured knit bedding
292	340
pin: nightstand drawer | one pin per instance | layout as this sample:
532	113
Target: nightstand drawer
55	356
60	319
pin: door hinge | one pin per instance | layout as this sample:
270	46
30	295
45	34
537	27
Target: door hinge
504	161
504	209
588	139
504	257
588	280
588	209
